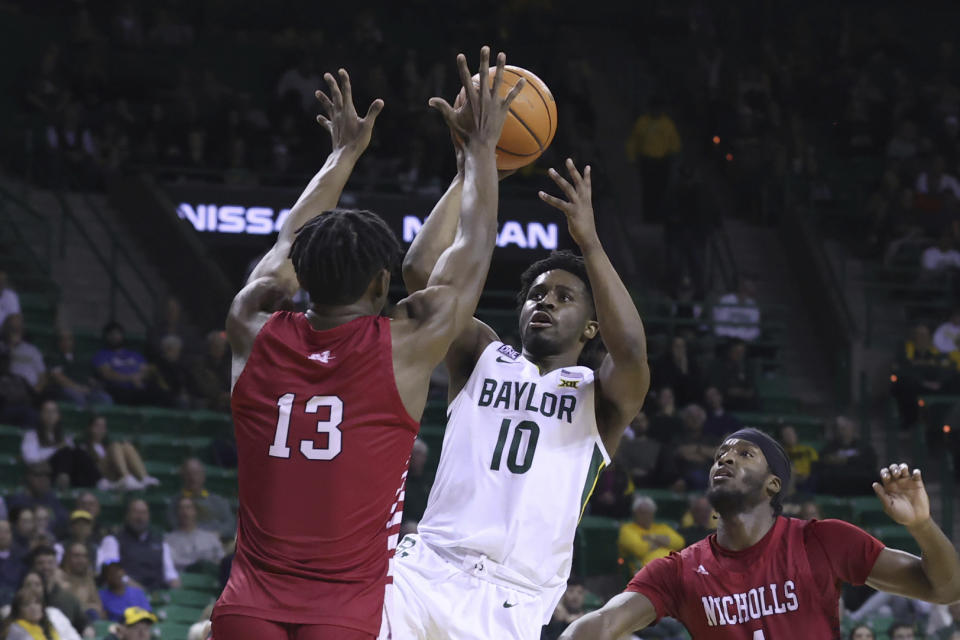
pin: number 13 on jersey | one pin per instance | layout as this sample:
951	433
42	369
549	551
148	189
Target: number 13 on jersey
330	426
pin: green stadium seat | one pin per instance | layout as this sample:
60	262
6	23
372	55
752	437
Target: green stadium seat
191	598
122	421
101	627
169	422
180	614
597	546
896	537
670	505
222	481
173	630
211	424
868	511
11	471
10	438
74	419
835	507
200	582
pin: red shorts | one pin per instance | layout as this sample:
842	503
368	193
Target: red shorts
234	627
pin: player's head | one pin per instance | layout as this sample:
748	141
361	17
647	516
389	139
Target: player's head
749	468
344	255
556	306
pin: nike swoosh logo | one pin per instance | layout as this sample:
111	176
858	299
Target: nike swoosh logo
502	361
507	604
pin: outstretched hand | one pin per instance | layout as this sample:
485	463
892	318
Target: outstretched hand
578	207
481	116
347	129
903	495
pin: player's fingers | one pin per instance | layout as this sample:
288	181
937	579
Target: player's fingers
894	471
374	110
553	201
484	71
514	92
880	491
587	183
469	90
325	102
904	470
574	173
325	123
498	75
885	474
565	186
448	113
917	475
335	96
346	88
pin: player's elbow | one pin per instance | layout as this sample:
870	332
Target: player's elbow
949	594
415	272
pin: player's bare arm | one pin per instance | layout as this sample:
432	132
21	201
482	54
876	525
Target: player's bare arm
624	375
936	576
623	614
446	306
273	278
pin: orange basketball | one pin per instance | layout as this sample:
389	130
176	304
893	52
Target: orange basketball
531	123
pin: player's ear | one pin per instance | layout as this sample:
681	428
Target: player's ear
380	284
774	485
591	330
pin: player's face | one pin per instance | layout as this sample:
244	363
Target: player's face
557	314
738	476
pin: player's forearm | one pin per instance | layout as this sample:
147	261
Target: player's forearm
322	192
620	324
941	564
436	234
597	625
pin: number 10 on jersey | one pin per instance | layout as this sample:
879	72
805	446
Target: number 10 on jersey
525	430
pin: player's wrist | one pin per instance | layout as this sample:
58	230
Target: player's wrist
921	525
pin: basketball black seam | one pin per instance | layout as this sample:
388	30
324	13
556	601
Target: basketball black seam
524	124
545	105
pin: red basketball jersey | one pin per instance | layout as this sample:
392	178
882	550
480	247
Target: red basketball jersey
784	587
324	441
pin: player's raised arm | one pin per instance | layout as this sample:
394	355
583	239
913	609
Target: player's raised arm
623	614
624	375
936	576
273	278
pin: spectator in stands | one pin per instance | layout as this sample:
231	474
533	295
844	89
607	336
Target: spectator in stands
117	595
170	323
81	531
643	539
639	454
920	369
47	443
665	423
417	488
733	378
675	369
189	544
901	631
88	502
70	380
719	423
903	145
612	493
16	394
694	448
211	374
213	511
9	300
802	458
569	609
934	181
655	144
43	560
299	83
24	530
137	625
119	463
11	564
38	491
810	510
77	575
941	258
27	619
171	373
946	335
736	314
861	632
142	553
124	372
704	522
847	465
33	582
44	519
25	359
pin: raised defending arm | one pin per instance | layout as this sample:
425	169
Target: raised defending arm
623	614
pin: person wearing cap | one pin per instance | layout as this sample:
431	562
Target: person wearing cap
762	576
117	595
643	540
79	531
137	624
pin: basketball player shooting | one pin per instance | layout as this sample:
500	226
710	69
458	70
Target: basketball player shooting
326	404
526	438
766	577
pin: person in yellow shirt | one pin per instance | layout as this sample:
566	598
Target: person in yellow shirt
653	144
643	540
801	456
27	619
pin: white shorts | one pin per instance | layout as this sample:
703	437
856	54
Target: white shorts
432	598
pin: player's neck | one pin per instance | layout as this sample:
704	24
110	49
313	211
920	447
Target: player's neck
552	362
738	531
327	317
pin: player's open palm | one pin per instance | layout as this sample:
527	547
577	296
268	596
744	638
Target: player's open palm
903	495
480	115
347	129
578	207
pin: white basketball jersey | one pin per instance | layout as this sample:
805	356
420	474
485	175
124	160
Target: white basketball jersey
521	456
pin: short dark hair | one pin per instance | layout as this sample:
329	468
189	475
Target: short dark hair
336	254
110	326
566	260
42	550
897	625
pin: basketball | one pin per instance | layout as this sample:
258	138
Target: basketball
531	123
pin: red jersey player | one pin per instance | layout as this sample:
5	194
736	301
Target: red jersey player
766	577
326	404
